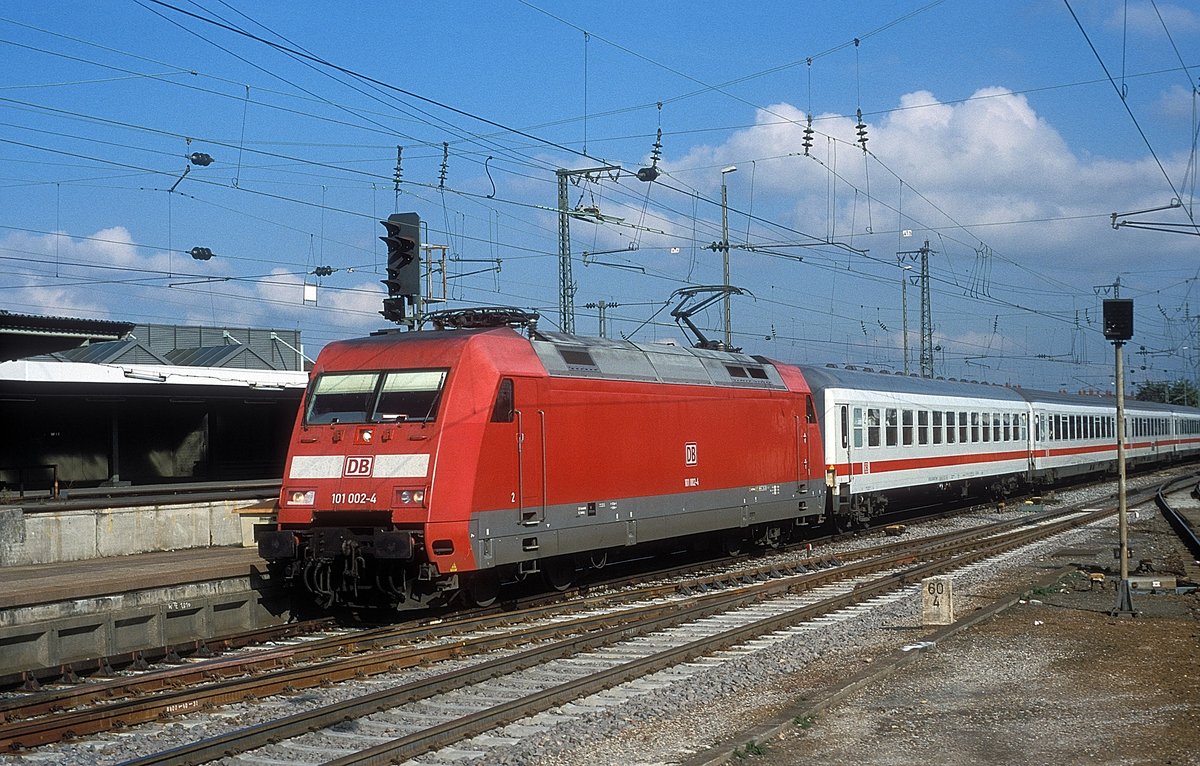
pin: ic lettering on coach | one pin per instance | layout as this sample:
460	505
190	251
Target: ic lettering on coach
358	466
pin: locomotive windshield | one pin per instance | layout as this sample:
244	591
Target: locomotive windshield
371	397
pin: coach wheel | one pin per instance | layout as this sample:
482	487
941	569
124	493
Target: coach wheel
484	589
559	574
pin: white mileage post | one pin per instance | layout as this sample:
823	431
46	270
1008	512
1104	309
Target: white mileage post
937	601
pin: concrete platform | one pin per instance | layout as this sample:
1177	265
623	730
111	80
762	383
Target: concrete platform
56	614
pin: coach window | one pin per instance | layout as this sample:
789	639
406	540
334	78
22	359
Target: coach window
962	427
502	412
858	427
923	426
890	422
906	427
872	427
995	426
937	426
1007	427
974	427
987	426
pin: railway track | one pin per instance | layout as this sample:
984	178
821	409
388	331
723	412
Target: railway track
650	627
1179	501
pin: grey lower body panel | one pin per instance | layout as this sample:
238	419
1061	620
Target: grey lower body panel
500	538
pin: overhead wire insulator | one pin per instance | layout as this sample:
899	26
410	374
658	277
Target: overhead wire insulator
861	129
808	136
399	175
445	162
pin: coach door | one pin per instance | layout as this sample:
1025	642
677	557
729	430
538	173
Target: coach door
531	453
847	430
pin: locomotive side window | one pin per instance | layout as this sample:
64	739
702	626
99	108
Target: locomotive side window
410	395
810	412
502	412
341	397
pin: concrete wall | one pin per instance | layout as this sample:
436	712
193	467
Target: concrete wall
49	537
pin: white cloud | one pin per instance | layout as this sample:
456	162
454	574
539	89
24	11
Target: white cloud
1150	18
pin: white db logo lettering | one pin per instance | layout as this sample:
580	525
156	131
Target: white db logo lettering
689	453
358	466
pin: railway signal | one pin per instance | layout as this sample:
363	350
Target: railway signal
1118	328
403	280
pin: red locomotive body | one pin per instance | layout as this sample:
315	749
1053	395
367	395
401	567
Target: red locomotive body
426	464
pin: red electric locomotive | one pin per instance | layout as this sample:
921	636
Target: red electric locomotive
427	464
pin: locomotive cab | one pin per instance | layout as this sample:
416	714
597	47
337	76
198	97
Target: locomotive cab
358	522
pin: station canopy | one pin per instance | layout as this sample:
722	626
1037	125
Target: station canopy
26	335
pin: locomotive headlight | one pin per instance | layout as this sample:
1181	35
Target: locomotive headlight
301	497
419	496
405	496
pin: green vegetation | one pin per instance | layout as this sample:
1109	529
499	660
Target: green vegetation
750	749
1176	392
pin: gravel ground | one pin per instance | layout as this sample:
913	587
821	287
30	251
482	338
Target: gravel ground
1052	680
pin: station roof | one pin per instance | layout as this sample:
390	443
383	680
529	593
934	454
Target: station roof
25	335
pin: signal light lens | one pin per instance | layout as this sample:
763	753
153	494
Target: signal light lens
419	496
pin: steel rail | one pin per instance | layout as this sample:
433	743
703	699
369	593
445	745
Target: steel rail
1182	526
384	659
256	736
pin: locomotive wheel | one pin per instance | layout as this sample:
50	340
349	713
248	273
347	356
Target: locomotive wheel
484	589
733	543
559	574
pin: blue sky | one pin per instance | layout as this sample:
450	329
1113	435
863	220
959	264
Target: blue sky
996	132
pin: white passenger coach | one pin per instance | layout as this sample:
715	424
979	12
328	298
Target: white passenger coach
893	435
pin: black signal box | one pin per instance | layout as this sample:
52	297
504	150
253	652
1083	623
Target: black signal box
1118	319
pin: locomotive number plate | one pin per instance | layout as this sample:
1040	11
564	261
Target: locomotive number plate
352	498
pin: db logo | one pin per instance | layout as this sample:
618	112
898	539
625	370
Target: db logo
358	466
689	453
